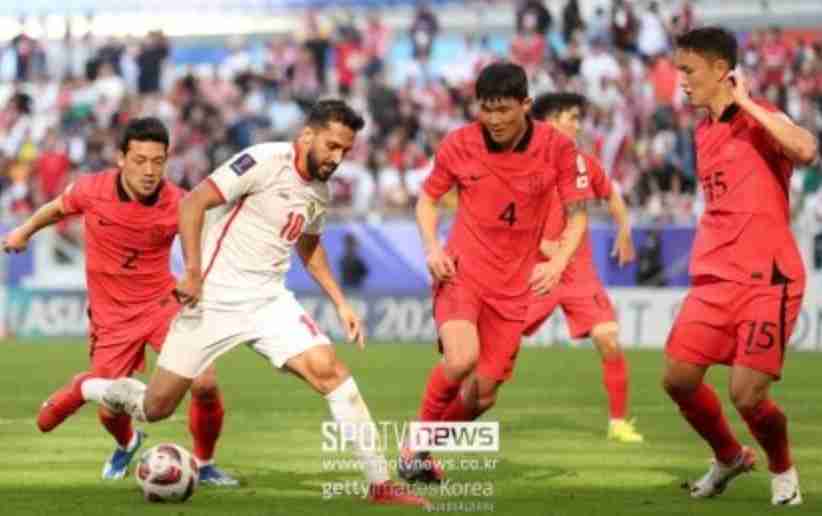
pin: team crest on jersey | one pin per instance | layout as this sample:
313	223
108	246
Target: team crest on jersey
242	164
312	210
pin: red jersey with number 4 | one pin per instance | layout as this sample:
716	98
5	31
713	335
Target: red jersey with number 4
503	202
745	233
128	245
581	271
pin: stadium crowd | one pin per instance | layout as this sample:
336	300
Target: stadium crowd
64	102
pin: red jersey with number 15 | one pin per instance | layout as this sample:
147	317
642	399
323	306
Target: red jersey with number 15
128	245
503	202
745	233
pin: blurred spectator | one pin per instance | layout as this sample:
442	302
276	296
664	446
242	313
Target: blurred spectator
571	19
423	31
376	38
150	59
624	25
652	38
650	270
532	15
353	269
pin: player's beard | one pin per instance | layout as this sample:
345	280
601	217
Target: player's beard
315	169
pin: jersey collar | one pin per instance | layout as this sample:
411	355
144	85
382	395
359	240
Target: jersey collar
148	201
729	113
522	146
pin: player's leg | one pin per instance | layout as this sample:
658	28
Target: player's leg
196	339
499	345
765	325
205	422
692	347
68	399
294	342
456	312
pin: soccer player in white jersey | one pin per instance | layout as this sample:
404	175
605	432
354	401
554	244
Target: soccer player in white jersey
234	290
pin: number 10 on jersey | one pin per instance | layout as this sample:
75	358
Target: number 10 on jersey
293	227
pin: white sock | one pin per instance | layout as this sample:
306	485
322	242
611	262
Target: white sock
94	388
348	407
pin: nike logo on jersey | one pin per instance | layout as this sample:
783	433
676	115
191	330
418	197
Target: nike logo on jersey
104	222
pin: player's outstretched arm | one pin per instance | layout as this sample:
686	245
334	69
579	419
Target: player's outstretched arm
624	249
50	213
797	143
547	274
192	217
440	265
315	259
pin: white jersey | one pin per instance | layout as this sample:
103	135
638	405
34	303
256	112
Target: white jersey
247	246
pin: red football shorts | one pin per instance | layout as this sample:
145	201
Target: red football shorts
583	310
499	330
722	322
119	352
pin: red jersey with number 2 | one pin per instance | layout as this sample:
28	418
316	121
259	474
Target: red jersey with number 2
503	202
128	246
745	233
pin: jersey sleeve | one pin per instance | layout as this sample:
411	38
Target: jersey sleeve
77	198
241	175
573	180
316	226
770	144
600	182
441	179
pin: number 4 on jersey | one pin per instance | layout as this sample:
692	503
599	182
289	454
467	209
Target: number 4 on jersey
509	214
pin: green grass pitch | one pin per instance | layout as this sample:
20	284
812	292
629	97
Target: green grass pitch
554	459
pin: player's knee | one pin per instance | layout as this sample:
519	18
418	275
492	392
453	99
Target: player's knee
325	371
607	343
459	367
675	387
746	398
485	403
157	408
205	388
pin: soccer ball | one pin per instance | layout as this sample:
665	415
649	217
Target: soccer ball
167	473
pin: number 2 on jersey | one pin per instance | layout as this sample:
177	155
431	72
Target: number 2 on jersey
293	227
128	263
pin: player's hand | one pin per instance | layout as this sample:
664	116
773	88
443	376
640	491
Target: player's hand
16	241
624	249
352	324
189	289
440	265
739	86
546	275
549	247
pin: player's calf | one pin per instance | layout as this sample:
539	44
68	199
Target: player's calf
320	368
61	404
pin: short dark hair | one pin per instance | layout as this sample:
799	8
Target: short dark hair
711	41
148	129
502	80
326	111
552	104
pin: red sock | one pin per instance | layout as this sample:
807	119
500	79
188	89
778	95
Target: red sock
703	411
615	379
457	411
769	426
118	425
439	393
205	422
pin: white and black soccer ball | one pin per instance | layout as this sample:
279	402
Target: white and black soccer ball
167	473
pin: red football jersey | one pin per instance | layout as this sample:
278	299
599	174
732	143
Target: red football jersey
580	271
128	245
745	232
503	202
